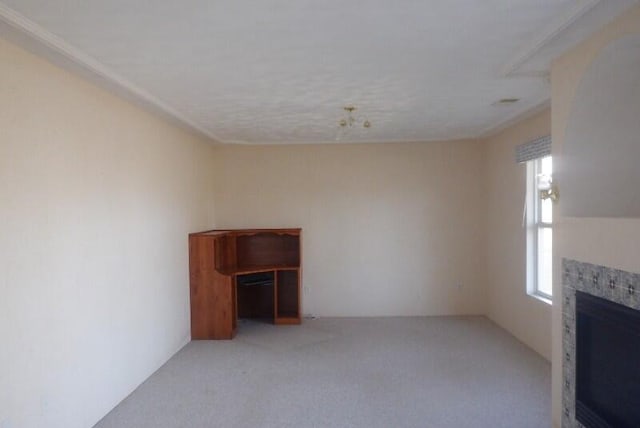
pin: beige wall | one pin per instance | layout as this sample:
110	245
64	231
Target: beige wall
389	229
98	197
526	317
610	242
96	200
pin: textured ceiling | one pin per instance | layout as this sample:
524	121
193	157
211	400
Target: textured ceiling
277	71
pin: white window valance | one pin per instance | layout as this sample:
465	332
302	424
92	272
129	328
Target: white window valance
538	148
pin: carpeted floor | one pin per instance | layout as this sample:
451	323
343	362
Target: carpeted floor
348	372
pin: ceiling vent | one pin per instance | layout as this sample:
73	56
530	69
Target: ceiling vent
506	101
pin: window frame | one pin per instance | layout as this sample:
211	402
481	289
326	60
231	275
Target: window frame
534	226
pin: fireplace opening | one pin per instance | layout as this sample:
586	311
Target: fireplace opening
607	363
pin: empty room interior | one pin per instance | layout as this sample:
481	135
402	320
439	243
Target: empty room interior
319	214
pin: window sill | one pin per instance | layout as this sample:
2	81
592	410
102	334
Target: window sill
542	298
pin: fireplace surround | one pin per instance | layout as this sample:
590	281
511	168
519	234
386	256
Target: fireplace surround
608	285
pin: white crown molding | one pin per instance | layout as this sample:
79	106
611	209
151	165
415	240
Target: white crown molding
547	35
70	54
40	41
344	142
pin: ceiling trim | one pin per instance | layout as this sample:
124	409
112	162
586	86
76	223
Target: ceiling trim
70	54
40	41
546	36
344	142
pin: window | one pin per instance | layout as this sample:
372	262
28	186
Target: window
539	228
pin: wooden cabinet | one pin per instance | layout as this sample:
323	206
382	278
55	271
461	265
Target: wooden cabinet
243	272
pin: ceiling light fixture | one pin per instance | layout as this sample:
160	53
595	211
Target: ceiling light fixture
350	121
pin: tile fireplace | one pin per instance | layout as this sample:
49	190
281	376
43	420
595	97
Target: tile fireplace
601	346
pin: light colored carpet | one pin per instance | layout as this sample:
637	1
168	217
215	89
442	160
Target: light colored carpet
348	372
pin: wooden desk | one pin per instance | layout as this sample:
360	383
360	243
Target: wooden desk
246	273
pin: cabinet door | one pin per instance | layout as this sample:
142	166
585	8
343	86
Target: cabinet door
222	312
212	299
